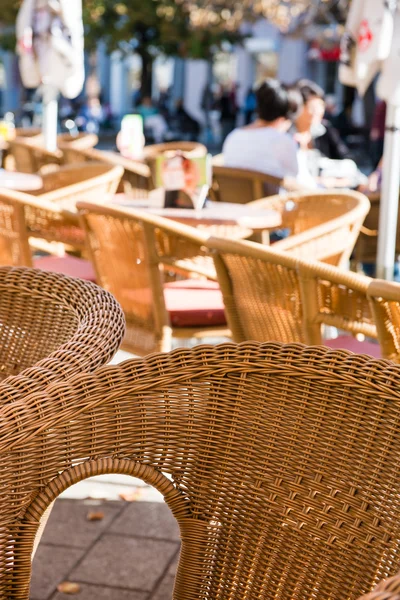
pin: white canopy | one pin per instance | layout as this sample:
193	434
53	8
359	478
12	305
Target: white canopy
371	44
50	44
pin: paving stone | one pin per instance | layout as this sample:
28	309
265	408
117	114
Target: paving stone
132	563
50	567
117	479
104	490
164	590
174	565
147	519
95	592
68	524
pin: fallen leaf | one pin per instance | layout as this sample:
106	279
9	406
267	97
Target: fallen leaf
68	587
131	496
95	516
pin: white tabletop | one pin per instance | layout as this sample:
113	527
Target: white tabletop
22	182
217	213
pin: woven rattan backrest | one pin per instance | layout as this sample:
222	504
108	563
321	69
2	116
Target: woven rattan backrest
321	226
14	242
389	589
282	465
81	180
242	186
23	216
82	141
136	181
120	247
271	295
54	323
132	252
30	156
137	178
384	298
30	132
261	291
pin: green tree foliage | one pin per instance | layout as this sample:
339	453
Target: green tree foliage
162	25
144	26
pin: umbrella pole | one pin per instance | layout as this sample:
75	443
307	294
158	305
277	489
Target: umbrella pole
390	195
50	117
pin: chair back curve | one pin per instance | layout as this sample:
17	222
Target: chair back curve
322	225
280	464
52	327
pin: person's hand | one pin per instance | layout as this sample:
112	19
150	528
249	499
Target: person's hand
374	135
373	184
334	182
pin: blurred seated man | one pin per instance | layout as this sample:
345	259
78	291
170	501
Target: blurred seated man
323	156
321	134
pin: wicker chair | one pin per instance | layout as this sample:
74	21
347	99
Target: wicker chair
272	296
29	132
30	156
189	148
81	141
242	186
51	327
137	180
389	589
279	463
367	244
52	214
323	226
95	182
28	224
133	252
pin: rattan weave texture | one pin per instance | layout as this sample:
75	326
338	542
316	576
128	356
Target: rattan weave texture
51	213
242	186
51	327
322	226
30	156
280	464
132	252
274	296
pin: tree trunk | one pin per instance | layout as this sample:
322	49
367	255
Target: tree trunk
146	79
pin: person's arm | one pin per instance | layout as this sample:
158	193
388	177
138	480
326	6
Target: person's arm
339	148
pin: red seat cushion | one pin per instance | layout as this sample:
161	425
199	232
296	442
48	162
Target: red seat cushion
67	265
348	342
194	303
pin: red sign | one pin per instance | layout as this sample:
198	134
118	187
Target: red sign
365	36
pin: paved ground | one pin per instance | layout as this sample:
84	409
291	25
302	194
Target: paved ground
129	553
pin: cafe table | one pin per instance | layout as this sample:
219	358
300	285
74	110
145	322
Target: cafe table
21	182
215	214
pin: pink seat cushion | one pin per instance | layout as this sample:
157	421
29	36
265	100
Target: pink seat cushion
348	342
67	265
194	303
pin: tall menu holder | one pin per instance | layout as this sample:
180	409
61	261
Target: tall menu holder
185	180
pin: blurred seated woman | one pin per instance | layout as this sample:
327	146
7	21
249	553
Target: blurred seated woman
265	145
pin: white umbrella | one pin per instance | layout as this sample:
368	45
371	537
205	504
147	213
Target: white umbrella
372	44
50	47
